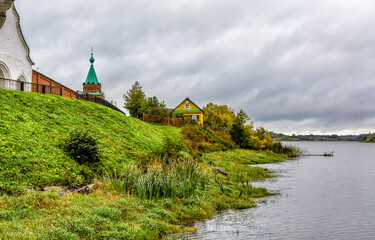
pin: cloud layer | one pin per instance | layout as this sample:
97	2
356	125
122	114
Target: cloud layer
293	66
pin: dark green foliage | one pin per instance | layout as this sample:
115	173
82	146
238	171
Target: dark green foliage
240	135
136	101
157	108
82	147
159	111
138	104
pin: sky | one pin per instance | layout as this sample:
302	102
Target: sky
294	66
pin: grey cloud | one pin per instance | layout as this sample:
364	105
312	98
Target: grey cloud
302	64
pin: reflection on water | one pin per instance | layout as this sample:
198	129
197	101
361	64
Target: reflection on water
320	198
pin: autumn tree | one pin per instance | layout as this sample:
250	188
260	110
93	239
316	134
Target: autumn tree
219	117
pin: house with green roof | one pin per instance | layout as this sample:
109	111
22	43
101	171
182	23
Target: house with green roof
190	111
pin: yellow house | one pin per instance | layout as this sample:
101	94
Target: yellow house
190	111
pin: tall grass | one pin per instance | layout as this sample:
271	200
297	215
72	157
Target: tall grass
181	178
290	151
125	182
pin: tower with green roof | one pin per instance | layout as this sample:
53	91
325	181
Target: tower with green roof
92	86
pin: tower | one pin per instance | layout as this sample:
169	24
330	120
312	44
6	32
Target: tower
92	86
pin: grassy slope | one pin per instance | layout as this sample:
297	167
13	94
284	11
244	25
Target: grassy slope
32	127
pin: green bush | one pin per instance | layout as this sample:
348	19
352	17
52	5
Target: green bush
82	147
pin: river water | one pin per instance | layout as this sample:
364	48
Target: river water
320	198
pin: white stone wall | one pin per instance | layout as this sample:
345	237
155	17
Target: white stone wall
14	53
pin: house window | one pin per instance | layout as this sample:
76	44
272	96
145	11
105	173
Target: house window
195	117
187	105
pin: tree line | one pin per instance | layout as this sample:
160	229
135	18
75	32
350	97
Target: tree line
312	137
216	117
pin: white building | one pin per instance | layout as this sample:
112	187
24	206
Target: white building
15	61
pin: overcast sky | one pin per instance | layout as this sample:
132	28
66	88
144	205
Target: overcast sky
294	66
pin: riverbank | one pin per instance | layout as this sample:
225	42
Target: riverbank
149	180
107	213
319	198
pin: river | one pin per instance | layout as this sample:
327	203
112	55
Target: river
320	198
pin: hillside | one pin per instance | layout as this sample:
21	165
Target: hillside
152	180
33	126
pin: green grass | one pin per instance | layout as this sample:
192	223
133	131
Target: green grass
149	185
33	126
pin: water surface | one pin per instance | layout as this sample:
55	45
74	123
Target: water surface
320	198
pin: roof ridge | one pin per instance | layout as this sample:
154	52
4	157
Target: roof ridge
190	101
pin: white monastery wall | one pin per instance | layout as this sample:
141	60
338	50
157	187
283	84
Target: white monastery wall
15	62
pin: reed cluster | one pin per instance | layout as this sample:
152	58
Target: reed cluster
180	178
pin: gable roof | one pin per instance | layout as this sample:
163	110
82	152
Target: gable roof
5	5
187	99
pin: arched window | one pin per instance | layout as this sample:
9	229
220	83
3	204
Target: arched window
22	84
2	79
4	76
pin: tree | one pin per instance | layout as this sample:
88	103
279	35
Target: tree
136	101
239	133
157	108
154	102
219	117
243	117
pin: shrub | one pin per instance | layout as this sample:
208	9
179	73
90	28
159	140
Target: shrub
82	147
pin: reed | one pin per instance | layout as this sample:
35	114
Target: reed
125	183
181	178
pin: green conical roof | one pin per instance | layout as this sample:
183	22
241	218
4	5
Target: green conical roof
91	77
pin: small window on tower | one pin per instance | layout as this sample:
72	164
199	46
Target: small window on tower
187	105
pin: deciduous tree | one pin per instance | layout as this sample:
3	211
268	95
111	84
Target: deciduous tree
219	117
